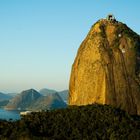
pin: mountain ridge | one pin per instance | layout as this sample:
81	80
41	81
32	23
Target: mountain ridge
52	101
23	100
4	96
33	100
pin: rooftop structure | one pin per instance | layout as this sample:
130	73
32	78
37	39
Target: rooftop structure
110	17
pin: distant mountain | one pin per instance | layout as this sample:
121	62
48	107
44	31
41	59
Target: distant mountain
24	100
13	94
64	95
3	103
52	101
33	100
46	92
4	96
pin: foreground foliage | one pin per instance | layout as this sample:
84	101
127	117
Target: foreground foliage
91	122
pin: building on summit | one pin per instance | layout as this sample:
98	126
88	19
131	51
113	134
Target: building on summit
110	17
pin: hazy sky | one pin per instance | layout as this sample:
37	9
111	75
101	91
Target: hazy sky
39	38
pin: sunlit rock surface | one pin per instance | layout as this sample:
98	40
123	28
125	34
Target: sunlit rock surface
106	68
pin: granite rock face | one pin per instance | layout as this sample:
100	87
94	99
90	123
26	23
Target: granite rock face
106	69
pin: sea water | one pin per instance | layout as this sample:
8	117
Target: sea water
9	114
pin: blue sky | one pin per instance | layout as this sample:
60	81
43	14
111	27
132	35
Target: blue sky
39	38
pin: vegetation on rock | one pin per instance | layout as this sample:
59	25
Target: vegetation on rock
98	122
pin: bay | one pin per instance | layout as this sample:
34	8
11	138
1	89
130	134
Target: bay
9	114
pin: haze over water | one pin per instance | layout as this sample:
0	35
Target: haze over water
6	115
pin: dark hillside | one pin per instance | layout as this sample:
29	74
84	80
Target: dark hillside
91	122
